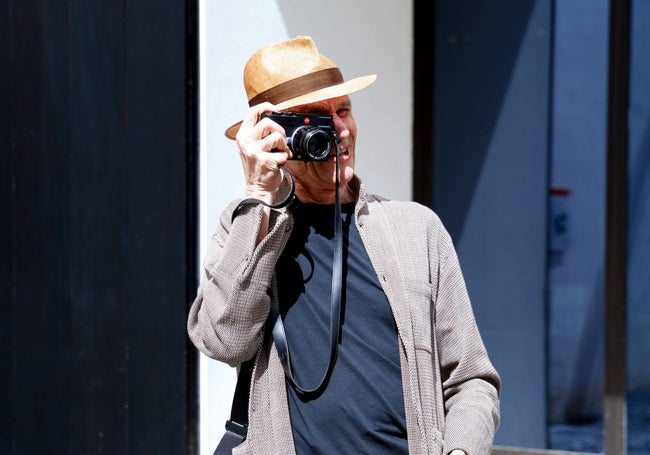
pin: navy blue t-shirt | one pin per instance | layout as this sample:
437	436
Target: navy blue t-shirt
361	410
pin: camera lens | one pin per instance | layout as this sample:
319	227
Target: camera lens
311	143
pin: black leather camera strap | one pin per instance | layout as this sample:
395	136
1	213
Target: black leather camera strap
283	203
238	422
237	425
279	336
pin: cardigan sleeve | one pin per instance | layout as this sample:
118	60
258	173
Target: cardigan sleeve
227	317
471	385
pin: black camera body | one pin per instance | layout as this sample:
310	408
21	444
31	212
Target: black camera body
310	137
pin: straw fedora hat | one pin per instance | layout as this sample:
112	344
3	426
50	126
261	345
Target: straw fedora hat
292	73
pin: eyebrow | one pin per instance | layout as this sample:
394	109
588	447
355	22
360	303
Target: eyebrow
347	104
316	108
321	107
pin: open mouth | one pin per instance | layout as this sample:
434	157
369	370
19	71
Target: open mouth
342	154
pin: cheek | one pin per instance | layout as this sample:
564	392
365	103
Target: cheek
352	128
347	128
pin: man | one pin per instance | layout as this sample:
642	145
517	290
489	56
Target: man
407	371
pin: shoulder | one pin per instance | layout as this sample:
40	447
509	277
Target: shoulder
411	221
403	212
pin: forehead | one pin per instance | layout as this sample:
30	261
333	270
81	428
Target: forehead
329	105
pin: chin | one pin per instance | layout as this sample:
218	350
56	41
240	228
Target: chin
346	174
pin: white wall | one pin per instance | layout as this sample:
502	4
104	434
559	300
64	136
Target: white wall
362	37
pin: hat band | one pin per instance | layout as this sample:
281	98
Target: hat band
299	86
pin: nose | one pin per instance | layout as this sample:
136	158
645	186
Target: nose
340	127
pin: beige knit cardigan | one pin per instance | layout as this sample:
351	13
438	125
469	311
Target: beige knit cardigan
451	390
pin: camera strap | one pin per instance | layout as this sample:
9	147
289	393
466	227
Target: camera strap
283	203
279	336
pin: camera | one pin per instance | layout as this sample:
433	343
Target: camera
310	137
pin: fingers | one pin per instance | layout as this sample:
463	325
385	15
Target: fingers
263	148
261	134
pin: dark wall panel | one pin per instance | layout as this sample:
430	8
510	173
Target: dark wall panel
97	191
6	247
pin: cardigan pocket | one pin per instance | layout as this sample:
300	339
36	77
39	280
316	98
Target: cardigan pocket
427	363
420	294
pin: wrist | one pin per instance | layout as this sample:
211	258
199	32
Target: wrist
263	193
264	196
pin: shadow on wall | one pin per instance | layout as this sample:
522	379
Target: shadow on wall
473	74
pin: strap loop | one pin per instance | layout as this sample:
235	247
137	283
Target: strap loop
286	201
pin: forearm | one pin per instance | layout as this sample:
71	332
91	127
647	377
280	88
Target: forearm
471	388
472	417
232	303
471	385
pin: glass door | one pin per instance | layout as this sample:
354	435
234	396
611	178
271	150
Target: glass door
638	234
521	151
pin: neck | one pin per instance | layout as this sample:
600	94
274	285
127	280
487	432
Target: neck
347	194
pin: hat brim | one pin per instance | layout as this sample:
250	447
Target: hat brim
345	88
